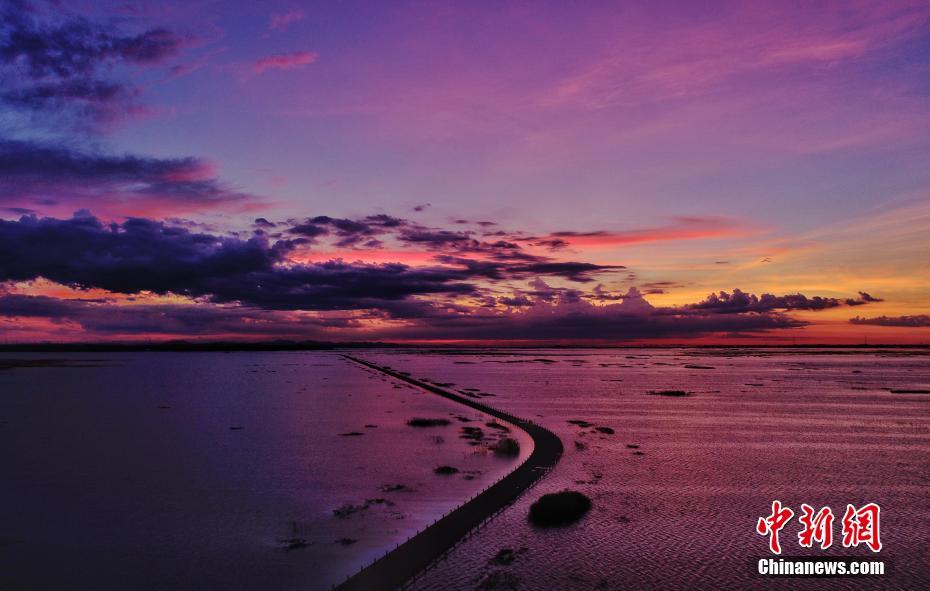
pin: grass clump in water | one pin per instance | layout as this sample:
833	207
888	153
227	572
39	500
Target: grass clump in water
427	422
672	393
561	508
507	446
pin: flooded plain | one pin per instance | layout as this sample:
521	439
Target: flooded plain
680	483
292	470
220	471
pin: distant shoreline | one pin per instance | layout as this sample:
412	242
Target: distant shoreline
232	346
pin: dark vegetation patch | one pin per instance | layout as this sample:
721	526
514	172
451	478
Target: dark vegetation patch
346	541
673	393
908	391
507	446
499	580
472	433
694	366
349	434
445	470
579	422
632	446
580	445
561	508
498	426
427	422
349	509
605	430
506	556
395	488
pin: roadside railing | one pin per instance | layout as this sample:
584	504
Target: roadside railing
520	484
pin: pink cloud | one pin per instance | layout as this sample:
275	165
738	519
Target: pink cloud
285	61
684	228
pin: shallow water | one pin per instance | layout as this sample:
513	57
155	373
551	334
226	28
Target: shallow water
197	470
800	426
180	470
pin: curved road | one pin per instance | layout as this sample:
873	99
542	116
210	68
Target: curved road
413	556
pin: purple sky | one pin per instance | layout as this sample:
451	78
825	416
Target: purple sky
675	148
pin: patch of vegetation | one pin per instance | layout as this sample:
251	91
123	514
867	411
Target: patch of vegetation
579	423
349	509
506	556
693	366
500	579
605	430
445	470
507	446
561	508
426	422
473	433
674	393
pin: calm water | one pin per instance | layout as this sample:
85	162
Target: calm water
196	471
177	471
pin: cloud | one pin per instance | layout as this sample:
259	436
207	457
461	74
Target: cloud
557	315
260	276
546	315
143	255
31	172
350	233
682	228
280	21
285	61
54	67
107	318
918	321
740	302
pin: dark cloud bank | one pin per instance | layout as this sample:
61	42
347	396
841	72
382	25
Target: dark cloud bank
248	286
69	77
61	65
917	321
43	174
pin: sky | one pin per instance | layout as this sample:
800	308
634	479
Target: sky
488	172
